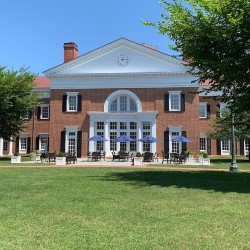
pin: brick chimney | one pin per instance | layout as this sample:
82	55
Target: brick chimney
70	51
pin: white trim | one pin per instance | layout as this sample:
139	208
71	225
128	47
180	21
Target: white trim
41	114
172	93
203	104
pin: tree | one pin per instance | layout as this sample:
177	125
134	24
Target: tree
215	36
221	128
17	100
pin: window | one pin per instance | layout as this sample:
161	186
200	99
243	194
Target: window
113	125
246	147
123	103
25	117
203	144
146	130
223	108
43	143
203	110
44	111
225	147
5	145
112	136
174	101
72	102
71	142
23	144
175	144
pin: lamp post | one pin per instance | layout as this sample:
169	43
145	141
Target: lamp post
233	165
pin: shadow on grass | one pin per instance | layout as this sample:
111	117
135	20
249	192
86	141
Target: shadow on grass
215	181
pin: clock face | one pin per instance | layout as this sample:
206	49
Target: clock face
122	60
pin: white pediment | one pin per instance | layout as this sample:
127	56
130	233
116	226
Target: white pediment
109	60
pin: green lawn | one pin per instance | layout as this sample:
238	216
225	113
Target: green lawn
104	208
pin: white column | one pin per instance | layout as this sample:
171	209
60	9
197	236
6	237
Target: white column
11	146
1	146
139	133
153	132
106	144
91	134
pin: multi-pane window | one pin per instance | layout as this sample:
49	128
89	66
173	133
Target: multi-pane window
225	145
123	103
123	145
72	103
174	101
113	106
113	125
43	143
112	136
44	112
146	129
133	125
203	144
25	117
202	110
99	144
5	146
72	142
175	144
100	125
133	143
246	149
23	144
223	108
123	125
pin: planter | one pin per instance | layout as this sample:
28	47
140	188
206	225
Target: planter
190	157
36	158
205	161
200	159
60	160
138	161
16	159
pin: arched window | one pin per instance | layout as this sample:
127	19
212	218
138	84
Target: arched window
122	103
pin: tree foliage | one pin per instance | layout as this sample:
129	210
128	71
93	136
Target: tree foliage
215	35
17	100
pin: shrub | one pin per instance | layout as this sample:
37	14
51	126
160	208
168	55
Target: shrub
16	154
138	154
205	155
60	154
33	154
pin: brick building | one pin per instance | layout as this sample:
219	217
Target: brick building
122	88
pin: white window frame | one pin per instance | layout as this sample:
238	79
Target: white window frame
42	109
246	147
228	151
204	105
172	94
40	142
23	150
72	94
70	129
205	138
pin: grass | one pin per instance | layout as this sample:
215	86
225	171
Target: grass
104	208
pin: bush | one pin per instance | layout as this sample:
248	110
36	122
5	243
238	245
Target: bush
16	154
60	154
205	155
33	154
138	154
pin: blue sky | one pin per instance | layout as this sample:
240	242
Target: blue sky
33	32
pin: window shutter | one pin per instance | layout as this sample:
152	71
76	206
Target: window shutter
242	146
64	103
218	146
166	102
28	144
49	113
79	144
48	145
37	143
63	137
38	113
182	102
209	146
184	144
166	141
79	104
17	144
208	111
